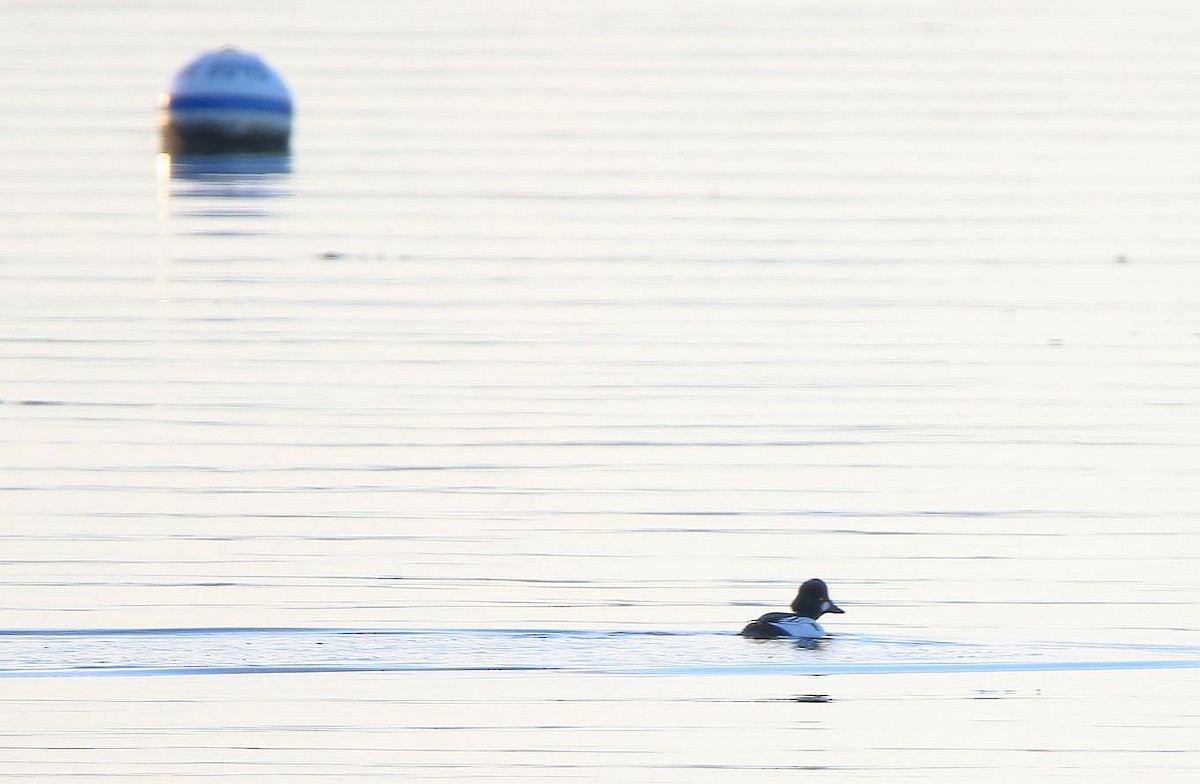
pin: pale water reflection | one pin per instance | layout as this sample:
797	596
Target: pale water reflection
1074	726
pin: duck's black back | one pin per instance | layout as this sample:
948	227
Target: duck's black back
763	629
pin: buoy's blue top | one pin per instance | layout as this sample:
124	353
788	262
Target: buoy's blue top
811	602
228	78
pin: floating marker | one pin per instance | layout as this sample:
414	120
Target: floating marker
227	101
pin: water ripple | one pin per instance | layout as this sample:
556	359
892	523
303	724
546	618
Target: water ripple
233	650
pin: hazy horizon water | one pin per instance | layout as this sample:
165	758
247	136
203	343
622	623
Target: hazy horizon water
461	442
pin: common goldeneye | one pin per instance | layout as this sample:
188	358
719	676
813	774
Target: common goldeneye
801	623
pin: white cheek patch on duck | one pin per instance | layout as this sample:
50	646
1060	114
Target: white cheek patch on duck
825	605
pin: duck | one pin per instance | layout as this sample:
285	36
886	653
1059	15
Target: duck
811	602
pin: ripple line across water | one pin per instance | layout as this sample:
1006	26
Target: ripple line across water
238	650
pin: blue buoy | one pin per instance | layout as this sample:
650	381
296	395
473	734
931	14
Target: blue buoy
226	101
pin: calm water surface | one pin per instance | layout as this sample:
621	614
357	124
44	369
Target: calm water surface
460	444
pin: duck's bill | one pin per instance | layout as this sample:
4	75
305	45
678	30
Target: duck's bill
830	607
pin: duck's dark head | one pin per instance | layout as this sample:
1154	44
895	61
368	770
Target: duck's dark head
813	600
